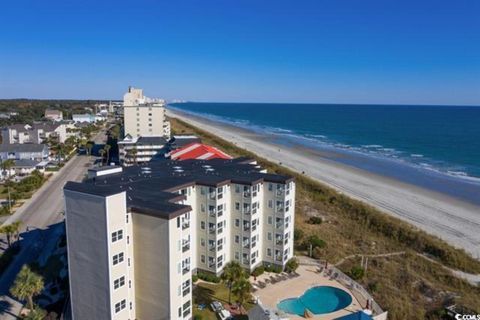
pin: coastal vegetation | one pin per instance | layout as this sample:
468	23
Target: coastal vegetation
29	110
414	285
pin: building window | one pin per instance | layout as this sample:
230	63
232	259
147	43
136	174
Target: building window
269	236
269	219
179	312
178	222
202	190
202	225
237	239
149	124
237	256
270	203
120	306
237	206
202	242
269	252
120	282
237	188
202	258
117	235
237	222
270	187
118	258
202	207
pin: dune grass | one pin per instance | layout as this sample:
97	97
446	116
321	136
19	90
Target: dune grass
408	286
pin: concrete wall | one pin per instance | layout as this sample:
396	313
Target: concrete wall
151	252
144	120
88	258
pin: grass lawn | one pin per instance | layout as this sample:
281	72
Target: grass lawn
205	293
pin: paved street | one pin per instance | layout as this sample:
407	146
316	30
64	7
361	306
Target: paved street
44	209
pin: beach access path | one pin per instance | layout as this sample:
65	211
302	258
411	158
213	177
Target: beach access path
451	219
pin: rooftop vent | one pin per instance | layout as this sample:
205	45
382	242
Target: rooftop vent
210	169
207	166
178	170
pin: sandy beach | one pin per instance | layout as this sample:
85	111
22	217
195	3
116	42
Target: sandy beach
453	220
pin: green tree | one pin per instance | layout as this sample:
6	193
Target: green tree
242	289
27	285
133	152
11	231
6	165
291	265
89	146
107	148
102	154
232	273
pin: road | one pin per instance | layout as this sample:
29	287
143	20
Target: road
44	209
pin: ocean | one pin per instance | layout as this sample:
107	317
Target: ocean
437	147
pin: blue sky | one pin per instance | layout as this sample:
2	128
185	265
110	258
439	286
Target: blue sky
330	51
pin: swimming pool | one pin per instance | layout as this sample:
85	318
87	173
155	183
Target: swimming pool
318	300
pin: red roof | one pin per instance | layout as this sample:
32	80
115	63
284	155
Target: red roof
198	151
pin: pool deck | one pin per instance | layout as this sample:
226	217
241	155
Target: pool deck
291	287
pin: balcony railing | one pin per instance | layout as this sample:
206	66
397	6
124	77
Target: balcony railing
211	248
186	291
211	230
186	246
246	194
185	225
279	242
186	269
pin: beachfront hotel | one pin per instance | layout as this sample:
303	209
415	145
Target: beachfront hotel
136	234
146	128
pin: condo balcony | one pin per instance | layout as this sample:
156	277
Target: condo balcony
186	269
247	194
185	225
185	245
212	230
211	248
186	291
279	242
278	258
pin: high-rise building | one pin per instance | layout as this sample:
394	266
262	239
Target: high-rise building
144	119
135	235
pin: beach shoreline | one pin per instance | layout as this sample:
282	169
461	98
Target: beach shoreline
451	219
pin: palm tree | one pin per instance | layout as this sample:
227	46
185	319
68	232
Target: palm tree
27	285
11	230
102	153
232	273
242	289
134	152
6	165
107	150
89	146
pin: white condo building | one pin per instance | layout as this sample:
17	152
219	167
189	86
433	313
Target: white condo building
143	118
135	235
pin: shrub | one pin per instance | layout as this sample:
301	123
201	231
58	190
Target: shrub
315	242
273	268
258	271
291	265
315	220
197	317
356	273
194	278
208	277
298	234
